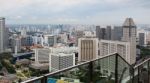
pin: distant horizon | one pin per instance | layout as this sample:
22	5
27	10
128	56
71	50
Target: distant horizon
74	24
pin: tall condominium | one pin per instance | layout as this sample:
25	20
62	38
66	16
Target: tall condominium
129	30
141	39
103	33
88	48
108	33
2	29
122	48
117	33
126	48
98	32
129	35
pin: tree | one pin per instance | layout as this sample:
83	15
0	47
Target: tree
1	66
145	51
8	65
6	55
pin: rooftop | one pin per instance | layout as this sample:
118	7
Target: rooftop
129	22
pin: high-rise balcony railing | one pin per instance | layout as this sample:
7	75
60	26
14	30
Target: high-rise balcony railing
108	69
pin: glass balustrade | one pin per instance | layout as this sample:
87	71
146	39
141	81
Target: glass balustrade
109	69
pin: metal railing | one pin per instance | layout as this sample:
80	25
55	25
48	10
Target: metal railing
107	69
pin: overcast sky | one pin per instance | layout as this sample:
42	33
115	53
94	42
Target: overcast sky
103	12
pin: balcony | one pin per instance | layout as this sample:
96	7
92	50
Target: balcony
108	69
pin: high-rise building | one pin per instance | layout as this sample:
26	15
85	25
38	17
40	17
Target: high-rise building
117	33
103	33
59	61
122	48
141	39
129	30
6	38
41	55
51	40
2	34
98	31
129	35
108	33
127	47
148	38
78	35
88	48
27	41
16	45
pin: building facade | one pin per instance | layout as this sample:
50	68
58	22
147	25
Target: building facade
117	33
16	45
141	39
78	34
108	33
2	34
51	40
42	55
122	48
27	41
88	48
59	61
98	31
129	35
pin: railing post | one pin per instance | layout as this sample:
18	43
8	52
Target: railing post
91	71
138	74
44	79
148	71
116	68
132	74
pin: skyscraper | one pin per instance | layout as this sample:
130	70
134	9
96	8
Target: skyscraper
103	33
88	48
129	35
117	33
129	30
108	33
2	29
141	39
98	31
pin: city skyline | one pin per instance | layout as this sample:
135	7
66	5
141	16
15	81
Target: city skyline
74	11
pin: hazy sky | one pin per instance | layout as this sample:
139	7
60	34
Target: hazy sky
74	11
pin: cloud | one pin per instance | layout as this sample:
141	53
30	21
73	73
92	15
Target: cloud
73	11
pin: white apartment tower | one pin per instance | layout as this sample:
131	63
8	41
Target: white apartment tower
88	48
2	29
58	61
129	35
122	48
